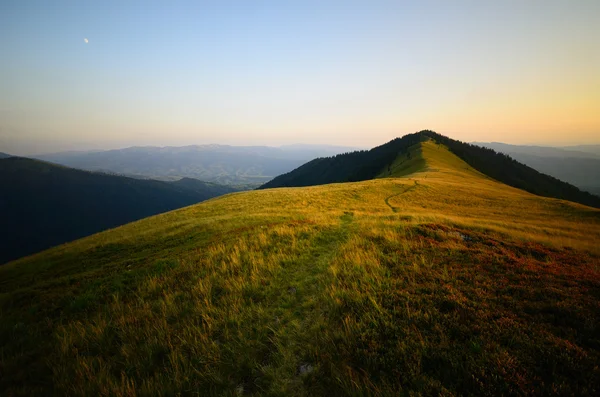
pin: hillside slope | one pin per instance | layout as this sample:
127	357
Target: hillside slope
440	282
346	167
579	168
366	165
205	189
42	205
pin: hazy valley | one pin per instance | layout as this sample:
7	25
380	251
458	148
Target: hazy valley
241	166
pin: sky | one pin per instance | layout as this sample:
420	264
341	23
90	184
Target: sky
77	75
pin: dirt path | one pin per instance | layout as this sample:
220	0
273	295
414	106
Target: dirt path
298	312
406	190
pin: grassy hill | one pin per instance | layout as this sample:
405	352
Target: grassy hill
43	204
364	165
432	279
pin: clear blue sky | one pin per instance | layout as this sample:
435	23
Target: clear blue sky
276	72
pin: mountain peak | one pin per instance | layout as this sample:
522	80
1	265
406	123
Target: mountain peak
427	156
427	150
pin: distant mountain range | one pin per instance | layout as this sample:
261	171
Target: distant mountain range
592	149
364	165
43	204
578	165
247	166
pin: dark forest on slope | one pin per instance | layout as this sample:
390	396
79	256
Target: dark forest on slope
43	204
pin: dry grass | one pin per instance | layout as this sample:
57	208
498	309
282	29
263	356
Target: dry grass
438	282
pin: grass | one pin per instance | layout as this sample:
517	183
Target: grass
439	281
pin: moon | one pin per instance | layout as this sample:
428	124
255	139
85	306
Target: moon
86	41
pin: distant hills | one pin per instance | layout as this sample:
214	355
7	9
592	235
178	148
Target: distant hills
43	204
364	165
249	166
4	155
592	149
578	165
584	151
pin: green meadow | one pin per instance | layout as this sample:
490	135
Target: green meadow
432	279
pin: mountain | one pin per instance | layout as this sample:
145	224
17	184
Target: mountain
232	165
309	152
43	204
347	167
364	165
578	167
207	189
4	155
594	189
591	149
540	151
442	281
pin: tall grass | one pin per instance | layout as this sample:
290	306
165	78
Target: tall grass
440	282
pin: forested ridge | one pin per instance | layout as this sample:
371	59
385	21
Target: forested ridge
367	164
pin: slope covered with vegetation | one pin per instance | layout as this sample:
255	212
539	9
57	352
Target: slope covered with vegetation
346	167
364	165
439	282
505	169
579	168
43	205
206	189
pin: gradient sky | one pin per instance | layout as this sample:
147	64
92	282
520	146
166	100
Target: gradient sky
277	72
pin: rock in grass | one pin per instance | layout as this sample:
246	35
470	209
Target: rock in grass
305	369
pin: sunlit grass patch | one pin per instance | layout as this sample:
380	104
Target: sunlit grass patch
441	282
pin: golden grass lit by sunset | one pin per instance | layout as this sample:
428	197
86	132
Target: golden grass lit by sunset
432	278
